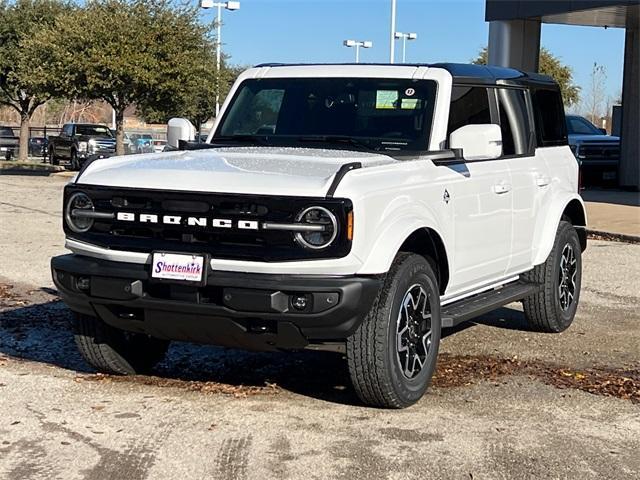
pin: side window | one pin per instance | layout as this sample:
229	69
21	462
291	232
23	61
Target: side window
514	121
548	109
68	130
469	106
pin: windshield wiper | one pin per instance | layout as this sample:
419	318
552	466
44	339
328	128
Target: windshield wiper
338	139
254	139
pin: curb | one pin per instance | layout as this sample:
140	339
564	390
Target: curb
28	168
612	237
64	173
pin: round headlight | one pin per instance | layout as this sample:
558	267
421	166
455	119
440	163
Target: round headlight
322	237
77	204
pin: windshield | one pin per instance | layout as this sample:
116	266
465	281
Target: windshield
6	132
93	130
581	126
380	114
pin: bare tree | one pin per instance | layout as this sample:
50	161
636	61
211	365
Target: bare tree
596	97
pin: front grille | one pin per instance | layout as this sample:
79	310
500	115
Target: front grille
102	146
588	151
232	243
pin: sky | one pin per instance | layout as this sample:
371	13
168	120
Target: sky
451	31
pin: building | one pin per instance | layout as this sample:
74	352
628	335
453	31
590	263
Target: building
514	41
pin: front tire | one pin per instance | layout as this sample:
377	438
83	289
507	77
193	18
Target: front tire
553	309
74	163
114	351
53	160
392	355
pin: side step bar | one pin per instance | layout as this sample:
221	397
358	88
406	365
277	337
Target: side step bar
467	308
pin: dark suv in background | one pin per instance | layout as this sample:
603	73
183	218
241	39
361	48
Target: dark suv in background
597	152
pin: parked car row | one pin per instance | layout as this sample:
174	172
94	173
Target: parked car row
9	143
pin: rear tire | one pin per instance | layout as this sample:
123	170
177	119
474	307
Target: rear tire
553	309
392	355
114	351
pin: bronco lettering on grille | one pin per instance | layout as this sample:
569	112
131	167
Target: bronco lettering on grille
190	221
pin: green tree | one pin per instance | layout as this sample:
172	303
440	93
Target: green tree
124	52
19	21
196	100
552	66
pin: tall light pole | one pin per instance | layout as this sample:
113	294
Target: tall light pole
405	37
357	44
392	46
219	5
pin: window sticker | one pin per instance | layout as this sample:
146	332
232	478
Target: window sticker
409	92
386	99
410	103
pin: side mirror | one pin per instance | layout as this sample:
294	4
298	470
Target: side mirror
180	129
603	131
477	142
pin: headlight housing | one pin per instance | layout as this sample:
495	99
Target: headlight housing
82	146
319	239
78	204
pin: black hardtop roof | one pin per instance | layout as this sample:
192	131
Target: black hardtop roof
461	72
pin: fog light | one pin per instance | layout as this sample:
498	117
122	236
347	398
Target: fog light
299	302
83	283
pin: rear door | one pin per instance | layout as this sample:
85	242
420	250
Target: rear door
529	176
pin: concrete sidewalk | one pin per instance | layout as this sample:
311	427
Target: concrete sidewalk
613	212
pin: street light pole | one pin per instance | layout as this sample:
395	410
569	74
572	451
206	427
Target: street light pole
405	37
357	44
219	5
218	54
392	46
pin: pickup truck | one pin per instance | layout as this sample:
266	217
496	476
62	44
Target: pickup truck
597	152
354	208
79	142
9	143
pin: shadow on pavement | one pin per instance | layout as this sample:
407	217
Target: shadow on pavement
42	332
616	197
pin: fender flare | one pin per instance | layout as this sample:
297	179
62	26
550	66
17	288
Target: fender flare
394	235
547	225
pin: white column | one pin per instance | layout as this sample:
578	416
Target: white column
515	44
392	45
629	171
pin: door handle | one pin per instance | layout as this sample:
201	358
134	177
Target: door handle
501	188
543	181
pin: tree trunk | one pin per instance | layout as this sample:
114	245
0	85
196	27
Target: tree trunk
120	131
24	137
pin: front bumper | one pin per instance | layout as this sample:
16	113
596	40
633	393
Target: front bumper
88	156
251	311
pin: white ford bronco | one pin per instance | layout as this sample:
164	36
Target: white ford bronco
354	207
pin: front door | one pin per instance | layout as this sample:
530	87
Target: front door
481	197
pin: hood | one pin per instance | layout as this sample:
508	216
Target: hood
580	138
245	170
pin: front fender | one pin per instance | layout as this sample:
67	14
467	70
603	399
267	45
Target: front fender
390	238
547	225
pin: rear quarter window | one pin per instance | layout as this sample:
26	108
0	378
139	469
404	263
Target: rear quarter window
548	108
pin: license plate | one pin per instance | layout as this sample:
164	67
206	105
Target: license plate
178	267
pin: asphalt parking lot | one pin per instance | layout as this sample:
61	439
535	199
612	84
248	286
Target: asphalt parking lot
506	402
